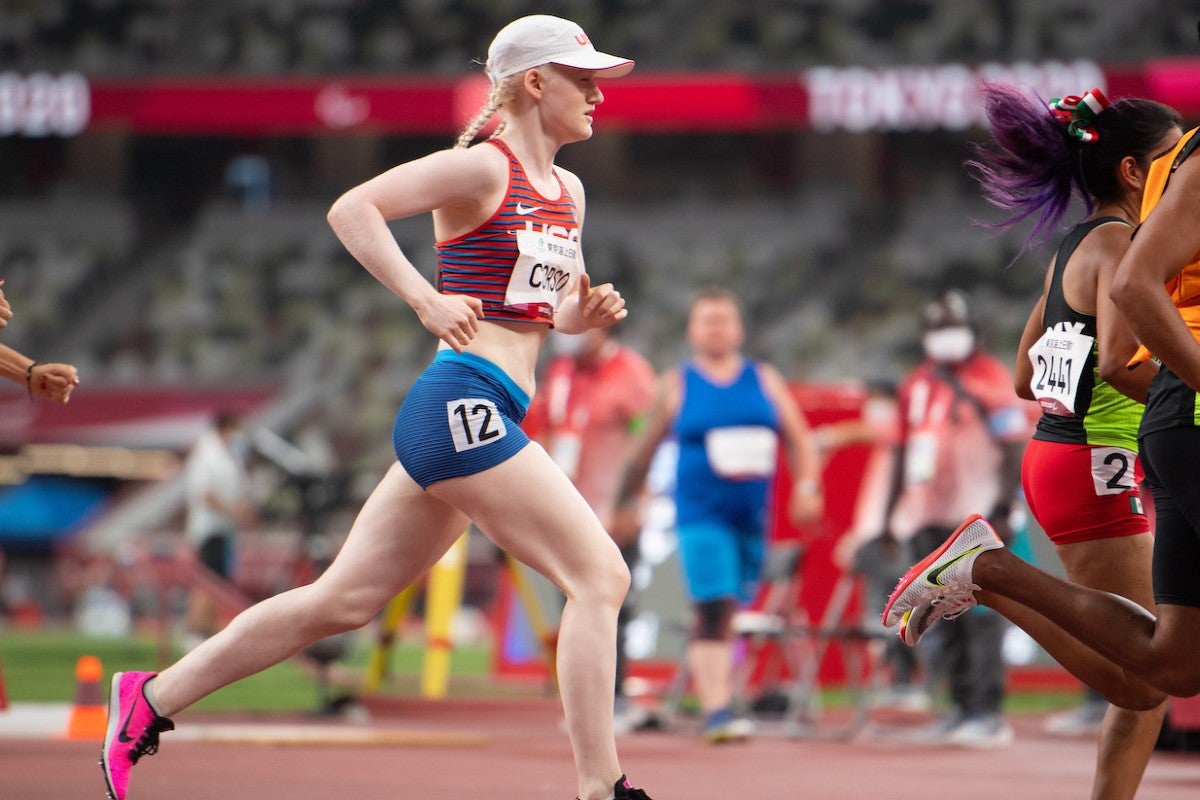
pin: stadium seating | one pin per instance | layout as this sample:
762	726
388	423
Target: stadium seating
267	37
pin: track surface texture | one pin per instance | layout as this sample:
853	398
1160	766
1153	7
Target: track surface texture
465	749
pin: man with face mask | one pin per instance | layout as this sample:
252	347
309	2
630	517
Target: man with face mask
963	431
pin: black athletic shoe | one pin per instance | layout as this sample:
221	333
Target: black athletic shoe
623	791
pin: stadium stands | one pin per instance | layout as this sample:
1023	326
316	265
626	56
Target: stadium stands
273	37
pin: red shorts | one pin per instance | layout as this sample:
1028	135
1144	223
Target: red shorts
1080	493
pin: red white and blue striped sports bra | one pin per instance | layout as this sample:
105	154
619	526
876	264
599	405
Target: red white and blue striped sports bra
522	259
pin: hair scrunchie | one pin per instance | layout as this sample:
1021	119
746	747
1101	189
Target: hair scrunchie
1079	113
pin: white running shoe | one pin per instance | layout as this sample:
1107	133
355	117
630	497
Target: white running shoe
1084	720
982	733
631	717
905	699
945	571
920	618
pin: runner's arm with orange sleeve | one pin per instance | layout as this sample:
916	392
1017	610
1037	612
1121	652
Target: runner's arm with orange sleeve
1167	240
1115	341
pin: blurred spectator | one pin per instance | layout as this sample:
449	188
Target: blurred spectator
963	432
218	509
316	483
864	549
728	413
100	608
593	400
248	181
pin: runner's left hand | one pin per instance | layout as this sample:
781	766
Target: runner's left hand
600	306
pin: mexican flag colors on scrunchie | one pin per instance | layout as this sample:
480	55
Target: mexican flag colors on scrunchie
1079	113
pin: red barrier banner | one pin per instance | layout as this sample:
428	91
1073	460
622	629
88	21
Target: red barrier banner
850	99
1176	83
273	107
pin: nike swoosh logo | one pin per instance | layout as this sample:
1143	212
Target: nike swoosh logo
121	737
523	209
935	576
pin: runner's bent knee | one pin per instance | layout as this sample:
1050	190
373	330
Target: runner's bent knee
1177	676
340	608
1135	697
606	582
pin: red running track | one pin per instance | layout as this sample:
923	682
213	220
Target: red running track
515	748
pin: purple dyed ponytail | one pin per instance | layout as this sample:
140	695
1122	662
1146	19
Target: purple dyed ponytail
1036	166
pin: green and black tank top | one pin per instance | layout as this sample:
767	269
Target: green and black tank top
1078	407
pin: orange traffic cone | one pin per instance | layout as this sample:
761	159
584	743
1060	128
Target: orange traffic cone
89	714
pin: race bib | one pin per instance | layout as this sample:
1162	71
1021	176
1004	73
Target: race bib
1112	470
546	266
1058	359
474	422
920	457
565	449
742	452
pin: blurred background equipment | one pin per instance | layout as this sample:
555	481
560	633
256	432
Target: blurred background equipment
88	713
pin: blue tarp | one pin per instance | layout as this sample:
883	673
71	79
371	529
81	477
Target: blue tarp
43	510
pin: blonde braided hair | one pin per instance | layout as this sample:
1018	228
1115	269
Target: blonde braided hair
500	94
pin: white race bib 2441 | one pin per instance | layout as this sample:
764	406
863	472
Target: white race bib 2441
1059	358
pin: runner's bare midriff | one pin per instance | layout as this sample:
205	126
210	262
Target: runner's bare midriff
512	346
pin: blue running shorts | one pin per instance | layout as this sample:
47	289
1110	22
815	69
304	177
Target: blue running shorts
720	560
462	416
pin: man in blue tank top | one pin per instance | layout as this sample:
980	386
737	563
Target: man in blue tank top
727	414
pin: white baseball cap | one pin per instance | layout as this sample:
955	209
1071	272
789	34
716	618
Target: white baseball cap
539	39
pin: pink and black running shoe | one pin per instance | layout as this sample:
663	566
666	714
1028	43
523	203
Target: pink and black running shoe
132	732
